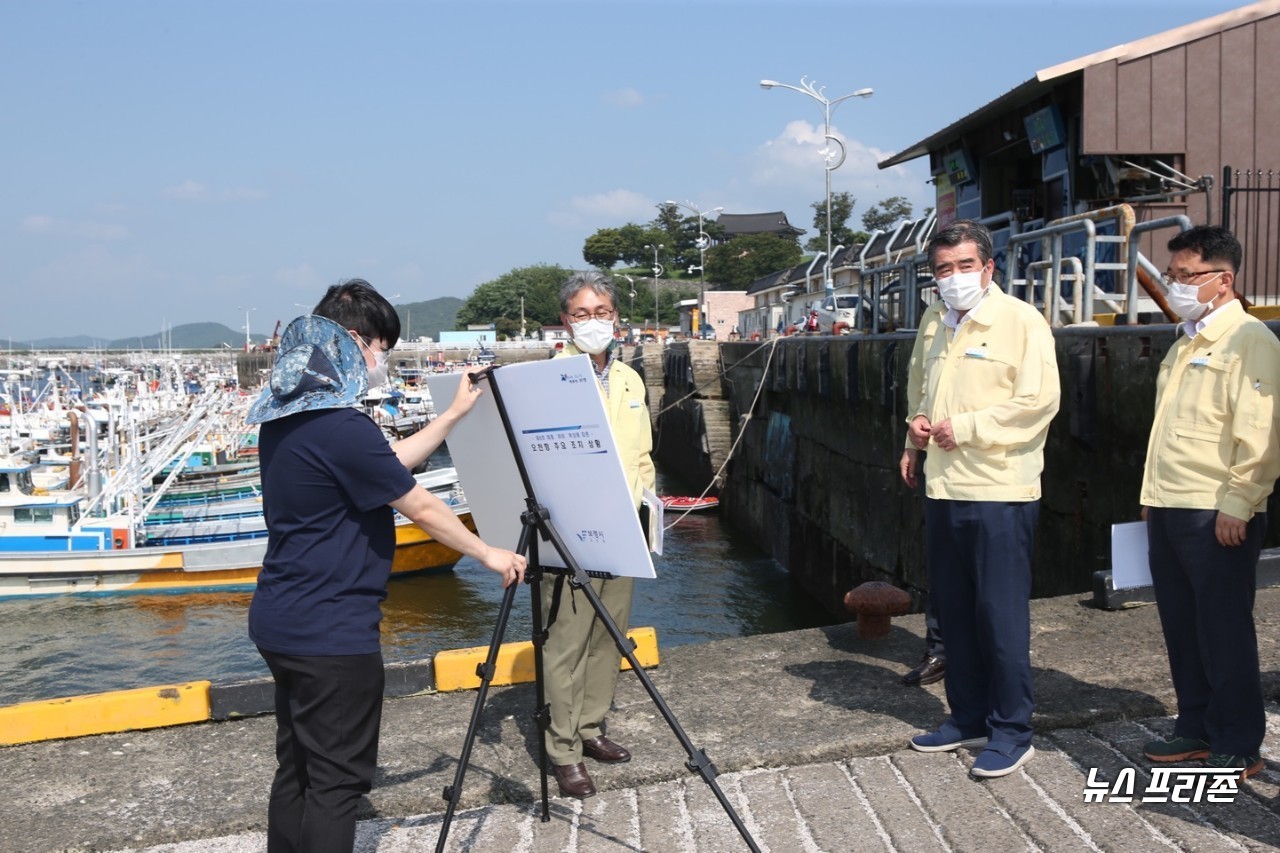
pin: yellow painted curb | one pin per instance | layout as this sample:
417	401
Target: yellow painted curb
100	713
456	670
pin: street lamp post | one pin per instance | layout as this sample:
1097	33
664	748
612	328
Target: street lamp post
810	88
248	343
703	242
657	271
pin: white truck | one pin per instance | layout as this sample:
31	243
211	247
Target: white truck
840	308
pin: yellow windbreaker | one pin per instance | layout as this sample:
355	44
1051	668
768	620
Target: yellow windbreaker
1214	443
996	378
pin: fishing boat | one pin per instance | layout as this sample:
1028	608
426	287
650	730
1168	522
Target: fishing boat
48	548
679	503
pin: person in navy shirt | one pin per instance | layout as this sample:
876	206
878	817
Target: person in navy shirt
330	481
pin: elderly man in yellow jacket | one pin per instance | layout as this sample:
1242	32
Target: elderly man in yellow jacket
982	389
1212	461
580	660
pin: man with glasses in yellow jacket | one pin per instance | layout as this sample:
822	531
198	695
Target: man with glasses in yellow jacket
1212	461
580	659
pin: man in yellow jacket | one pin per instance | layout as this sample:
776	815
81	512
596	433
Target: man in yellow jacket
1212	461
982	389
580	659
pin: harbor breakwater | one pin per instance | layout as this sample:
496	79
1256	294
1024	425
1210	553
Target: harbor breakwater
820	423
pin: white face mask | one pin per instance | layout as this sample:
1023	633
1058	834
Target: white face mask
592	336
1184	299
962	290
380	370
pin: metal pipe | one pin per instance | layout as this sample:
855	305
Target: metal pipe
1131	283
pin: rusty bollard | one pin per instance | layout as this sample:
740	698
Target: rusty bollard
874	603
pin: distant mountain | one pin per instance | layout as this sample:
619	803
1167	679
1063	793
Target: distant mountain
73	342
188	336
416	320
428	318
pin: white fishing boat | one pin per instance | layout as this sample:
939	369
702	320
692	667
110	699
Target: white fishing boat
47	547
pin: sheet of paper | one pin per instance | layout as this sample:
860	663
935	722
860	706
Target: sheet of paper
1129	564
657	525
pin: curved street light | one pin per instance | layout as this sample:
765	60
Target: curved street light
813	90
657	272
703	242
248	343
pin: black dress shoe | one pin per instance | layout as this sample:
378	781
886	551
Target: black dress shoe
929	670
605	751
574	780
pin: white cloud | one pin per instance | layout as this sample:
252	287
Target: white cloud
243	194
627	98
792	164
39	223
192	190
188	190
604	210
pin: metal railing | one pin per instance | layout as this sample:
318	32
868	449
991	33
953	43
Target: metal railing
1251	210
1136	257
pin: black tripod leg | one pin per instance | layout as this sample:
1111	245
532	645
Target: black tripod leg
698	761
542	712
453	792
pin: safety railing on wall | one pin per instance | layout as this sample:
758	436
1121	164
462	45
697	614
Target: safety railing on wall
1136	264
1051	291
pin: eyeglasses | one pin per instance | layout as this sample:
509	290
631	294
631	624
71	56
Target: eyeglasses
600	314
1188	278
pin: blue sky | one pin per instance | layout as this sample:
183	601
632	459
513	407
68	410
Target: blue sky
166	162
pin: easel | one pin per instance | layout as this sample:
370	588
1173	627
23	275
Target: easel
536	519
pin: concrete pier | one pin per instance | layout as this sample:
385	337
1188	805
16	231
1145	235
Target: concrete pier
808	729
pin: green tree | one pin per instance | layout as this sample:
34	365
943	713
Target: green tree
671	225
604	248
742	260
634	239
539	285
841	235
885	214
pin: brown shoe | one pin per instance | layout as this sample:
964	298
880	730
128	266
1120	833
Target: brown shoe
574	780
929	670
605	751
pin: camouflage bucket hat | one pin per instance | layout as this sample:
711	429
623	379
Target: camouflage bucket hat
318	366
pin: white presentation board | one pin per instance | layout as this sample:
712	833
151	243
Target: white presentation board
563	436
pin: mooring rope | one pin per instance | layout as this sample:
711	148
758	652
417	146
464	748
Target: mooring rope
772	344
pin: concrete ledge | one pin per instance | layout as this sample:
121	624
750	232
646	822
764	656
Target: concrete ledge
201	701
100	713
409	677
258	695
456	670
1107	597
242	699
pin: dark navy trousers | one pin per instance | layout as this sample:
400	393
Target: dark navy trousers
1204	592
980	582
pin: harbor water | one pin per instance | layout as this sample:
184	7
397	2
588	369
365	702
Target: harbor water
712	584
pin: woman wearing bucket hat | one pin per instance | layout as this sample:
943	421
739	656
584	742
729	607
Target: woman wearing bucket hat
330	481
